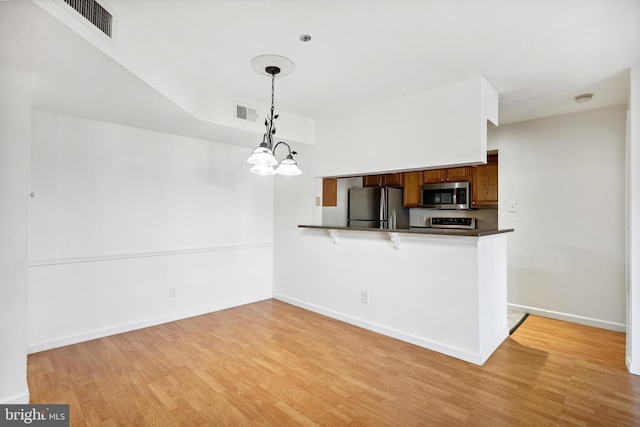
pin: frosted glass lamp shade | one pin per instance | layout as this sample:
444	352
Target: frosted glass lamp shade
288	167
262	170
262	156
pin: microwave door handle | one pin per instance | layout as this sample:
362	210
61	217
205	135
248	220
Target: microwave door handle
455	196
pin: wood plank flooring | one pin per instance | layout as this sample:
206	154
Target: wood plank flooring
273	364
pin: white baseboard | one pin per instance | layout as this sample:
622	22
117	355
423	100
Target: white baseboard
477	359
16	399
101	333
633	368
493	345
582	320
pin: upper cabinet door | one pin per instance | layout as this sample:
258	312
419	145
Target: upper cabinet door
388	180
484	187
412	191
392	179
372	181
458	174
329	192
436	176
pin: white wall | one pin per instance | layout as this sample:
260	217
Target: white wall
442	126
15	135
120	215
412	294
567	255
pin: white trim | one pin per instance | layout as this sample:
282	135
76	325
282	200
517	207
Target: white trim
588	321
633	368
101	333
132	255
477	359
16	399
493	346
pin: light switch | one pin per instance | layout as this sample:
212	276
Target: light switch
512	206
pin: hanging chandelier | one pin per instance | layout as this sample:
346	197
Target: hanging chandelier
263	157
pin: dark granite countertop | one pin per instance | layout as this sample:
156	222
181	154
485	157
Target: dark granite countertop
478	232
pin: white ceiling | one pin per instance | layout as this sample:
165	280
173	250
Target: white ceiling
538	54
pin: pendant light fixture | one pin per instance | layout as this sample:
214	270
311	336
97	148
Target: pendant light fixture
263	157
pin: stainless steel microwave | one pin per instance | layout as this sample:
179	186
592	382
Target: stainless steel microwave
447	195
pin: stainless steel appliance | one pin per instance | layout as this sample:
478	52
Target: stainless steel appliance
463	223
377	207
447	195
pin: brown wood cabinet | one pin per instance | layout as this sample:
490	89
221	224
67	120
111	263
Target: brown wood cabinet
412	189
372	181
484	184
392	179
483	178
459	174
435	176
329	192
389	180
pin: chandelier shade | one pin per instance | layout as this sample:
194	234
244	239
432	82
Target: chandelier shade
263	170
288	167
262	156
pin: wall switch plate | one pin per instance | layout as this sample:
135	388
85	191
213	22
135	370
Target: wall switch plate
317	200
364	297
172	292
512	206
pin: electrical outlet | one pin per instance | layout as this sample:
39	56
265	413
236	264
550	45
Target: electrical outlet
364	297
318	201
172	292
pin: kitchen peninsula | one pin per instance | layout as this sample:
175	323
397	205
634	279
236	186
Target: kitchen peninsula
445	290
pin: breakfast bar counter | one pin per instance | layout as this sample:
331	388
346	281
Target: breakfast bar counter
444	289
476	232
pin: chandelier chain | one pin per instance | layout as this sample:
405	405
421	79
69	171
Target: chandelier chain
271	124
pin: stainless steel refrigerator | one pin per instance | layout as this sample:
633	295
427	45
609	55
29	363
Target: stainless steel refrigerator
377	207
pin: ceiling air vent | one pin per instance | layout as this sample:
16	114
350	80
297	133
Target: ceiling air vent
94	13
246	113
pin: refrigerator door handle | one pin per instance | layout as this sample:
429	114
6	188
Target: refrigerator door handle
383	207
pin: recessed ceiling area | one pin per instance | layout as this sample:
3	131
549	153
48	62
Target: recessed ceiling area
538	55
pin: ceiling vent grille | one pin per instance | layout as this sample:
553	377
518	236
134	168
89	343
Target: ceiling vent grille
94	13
246	113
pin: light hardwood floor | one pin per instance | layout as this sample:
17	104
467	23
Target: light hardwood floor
270	363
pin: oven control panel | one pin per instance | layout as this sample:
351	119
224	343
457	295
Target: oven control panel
464	223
